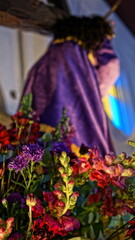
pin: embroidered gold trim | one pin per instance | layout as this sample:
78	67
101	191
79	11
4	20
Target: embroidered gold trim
69	38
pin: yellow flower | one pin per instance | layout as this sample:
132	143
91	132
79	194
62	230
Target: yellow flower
31	200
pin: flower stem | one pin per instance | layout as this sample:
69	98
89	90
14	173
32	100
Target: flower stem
24	178
2	180
29	130
116	233
19	134
9	178
30	222
67	202
30	171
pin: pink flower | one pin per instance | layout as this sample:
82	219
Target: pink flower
59	203
71	182
69	223
2	233
75	195
58	193
6	227
9	221
109	159
58	185
115	171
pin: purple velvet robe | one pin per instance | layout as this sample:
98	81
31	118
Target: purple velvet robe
64	77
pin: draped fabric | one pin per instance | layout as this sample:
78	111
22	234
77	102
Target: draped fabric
64	77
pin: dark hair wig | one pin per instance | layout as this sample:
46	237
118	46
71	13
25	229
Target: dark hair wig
90	30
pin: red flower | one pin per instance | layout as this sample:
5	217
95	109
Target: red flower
38	210
34	133
80	165
45	228
95	197
29	129
54	203
102	178
4	136
53	225
50	198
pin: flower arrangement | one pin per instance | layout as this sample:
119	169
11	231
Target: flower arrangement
50	189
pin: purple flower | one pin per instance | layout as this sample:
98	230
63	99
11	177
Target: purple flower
14	197
23	203
35	150
20	162
59	147
16	236
32	152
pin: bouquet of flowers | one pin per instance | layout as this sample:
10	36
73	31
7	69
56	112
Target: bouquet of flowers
51	189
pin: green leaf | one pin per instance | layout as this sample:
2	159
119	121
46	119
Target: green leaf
18	183
97	228
85	229
91	216
131	143
101	237
92	232
34	187
47	158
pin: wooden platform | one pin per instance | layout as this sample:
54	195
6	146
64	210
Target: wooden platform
5	119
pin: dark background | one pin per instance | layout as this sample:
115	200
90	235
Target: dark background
126	12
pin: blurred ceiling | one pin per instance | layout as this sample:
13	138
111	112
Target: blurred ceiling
34	15
30	14
126	12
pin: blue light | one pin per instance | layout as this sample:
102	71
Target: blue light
122	117
115	111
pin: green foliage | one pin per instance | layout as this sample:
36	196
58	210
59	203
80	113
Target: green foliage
26	105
